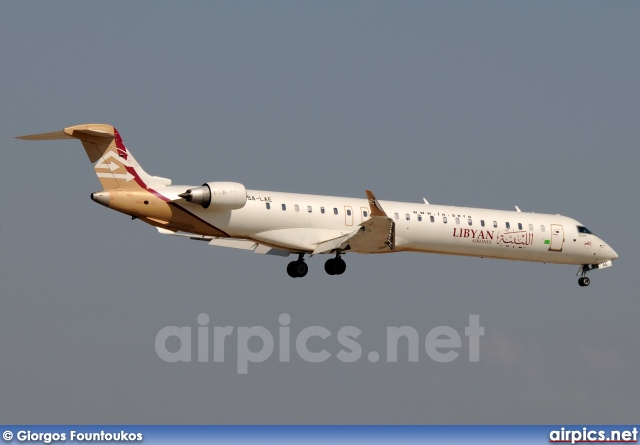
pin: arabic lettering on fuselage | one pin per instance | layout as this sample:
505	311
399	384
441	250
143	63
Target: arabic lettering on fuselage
515	239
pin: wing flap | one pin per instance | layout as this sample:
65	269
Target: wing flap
243	244
234	243
335	243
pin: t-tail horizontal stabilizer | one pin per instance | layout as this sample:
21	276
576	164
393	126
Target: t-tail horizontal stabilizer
113	163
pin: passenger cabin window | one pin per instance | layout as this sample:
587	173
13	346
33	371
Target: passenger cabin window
348	212
365	213
583	229
519	226
541	228
508	225
284	207
495	224
335	210
309	209
396	216
322	210
444	219
297	207
407	216
432	218
268	206
482	222
419	217
470	222
458	221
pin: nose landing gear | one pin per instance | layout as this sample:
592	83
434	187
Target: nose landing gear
584	280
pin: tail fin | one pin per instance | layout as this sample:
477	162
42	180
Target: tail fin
114	165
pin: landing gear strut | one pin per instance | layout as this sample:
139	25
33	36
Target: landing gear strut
584	280
335	266
298	269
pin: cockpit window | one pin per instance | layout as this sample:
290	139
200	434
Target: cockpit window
583	229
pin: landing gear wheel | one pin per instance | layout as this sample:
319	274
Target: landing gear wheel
301	268
298	269
335	266
291	269
330	266
339	266
584	281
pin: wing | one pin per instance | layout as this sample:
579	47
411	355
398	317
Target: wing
235	243
375	235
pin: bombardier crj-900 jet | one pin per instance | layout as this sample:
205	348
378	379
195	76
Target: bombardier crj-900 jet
274	223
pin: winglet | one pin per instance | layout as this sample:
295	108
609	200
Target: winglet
518	209
376	208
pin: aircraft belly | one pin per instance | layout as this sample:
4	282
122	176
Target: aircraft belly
297	239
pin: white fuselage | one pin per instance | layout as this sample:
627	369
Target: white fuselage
298	222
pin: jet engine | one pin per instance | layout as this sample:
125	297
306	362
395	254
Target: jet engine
217	195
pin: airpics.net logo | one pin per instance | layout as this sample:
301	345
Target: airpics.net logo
256	344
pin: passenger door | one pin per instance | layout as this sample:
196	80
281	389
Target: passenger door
557	238
348	216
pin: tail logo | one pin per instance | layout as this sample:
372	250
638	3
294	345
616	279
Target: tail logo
104	164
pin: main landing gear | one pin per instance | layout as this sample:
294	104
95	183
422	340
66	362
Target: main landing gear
584	280
333	266
298	269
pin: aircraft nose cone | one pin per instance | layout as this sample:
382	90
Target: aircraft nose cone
614	255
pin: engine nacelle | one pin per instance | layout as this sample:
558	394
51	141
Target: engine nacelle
218	195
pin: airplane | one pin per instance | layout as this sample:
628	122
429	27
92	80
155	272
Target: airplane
275	223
